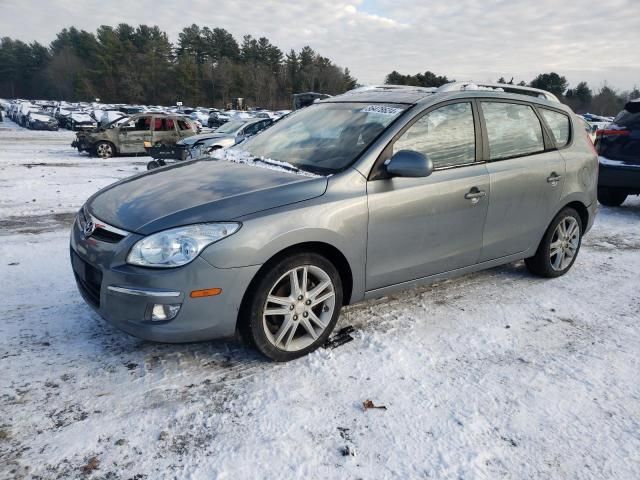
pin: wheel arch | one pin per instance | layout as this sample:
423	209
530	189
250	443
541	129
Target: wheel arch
582	210
333	254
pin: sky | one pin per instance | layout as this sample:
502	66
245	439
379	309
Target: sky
478	40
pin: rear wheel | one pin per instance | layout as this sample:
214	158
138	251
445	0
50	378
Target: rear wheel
559	246
294	307
104	150
610	197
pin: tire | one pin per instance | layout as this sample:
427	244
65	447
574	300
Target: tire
564	237
153	164
297	325
104	149
610	197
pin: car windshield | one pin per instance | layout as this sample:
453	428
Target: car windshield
324	138
230	127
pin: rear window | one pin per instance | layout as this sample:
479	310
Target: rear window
513	130
560	126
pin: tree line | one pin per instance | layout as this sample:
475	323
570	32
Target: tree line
140	65
581	98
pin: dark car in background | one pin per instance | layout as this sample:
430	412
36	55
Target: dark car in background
217	119
41	120
618	146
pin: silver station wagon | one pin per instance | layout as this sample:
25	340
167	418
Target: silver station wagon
354	197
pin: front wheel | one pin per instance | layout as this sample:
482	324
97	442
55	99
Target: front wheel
610	197
294	307
559	247
104	150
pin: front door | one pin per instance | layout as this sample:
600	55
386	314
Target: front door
526	179
424	226
132	135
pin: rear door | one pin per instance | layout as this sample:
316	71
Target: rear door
165	131
423	226
527	177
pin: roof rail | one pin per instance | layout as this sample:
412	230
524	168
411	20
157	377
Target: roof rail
501	87
395	87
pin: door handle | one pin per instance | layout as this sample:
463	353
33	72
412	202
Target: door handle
475	195
553	179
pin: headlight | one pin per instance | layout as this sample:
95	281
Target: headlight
178	246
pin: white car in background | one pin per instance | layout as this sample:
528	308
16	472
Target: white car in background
109	116
81	121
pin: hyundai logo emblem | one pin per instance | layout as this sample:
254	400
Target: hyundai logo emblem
89	228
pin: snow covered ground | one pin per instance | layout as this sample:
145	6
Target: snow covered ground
493	375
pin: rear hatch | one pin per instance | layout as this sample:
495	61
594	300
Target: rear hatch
621	139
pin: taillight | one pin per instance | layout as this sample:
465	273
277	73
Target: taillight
611	133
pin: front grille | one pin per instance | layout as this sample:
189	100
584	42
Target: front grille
88	278
103	232
106	236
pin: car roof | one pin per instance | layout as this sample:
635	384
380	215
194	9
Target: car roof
405	94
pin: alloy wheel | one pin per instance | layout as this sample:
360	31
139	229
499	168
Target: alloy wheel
299	308
564	243
104	150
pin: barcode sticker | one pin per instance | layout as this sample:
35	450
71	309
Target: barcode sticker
381	109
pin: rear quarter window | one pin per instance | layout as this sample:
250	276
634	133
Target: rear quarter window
559	124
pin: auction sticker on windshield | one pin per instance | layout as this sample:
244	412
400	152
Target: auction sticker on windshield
381	109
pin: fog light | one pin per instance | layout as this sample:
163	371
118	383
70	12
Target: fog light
164	312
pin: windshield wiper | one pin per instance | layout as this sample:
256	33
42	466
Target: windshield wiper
285	165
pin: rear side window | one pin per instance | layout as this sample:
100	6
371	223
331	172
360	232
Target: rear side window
446	135
513	130
163	125
560	125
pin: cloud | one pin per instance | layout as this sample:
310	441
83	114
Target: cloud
465	39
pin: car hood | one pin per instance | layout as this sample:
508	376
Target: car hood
203	137
199	191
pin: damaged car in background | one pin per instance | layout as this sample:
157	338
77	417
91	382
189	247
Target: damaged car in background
81	121
129	137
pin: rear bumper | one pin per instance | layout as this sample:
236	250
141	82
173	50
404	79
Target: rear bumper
124	295
620	175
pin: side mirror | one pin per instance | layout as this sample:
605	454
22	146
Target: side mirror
409	163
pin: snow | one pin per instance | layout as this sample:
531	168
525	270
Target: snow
237	155
615	163
498	374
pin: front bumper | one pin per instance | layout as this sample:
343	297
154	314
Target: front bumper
82	144
99	265
617	174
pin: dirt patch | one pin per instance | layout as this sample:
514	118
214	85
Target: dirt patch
35	224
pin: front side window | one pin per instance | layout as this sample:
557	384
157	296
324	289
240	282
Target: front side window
183	125
560	125
324	138
445	135
142	123
513	130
